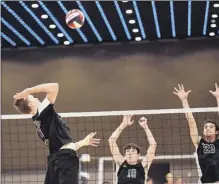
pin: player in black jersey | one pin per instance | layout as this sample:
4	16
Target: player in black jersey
63	162
131	170
207	148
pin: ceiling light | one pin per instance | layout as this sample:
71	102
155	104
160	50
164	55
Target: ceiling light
66	42
44	16
60	34
213	25
129	11
216	5
213	21
212	34
34	5
52	26
214	16
135	30
132	22
138	38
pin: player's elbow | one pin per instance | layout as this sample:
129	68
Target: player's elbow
55	89
153	142
152	150
111	140
55	86
153	145
52	87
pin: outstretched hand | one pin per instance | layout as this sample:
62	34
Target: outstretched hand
89	140
127	120
181	93
216	92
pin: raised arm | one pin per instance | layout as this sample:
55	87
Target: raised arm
89	140
117	157
148	159
216	94
183	96
50	88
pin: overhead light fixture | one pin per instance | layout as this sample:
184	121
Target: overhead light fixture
212	34
60	35
129	11
44	16
135	30
125	1
216	5
214	16
138	38
131	21
34	5
213	25
213	21
52	26
66	42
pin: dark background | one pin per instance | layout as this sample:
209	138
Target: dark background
110	77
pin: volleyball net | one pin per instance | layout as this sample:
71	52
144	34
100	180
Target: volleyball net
24	155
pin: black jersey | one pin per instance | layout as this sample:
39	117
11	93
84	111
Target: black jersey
208	158
131	174
50	126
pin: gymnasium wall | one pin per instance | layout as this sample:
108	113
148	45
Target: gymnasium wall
110	77
115	77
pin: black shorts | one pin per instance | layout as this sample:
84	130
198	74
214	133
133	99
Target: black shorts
63	167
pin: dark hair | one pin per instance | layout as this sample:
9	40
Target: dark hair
22	106
133	146
213	122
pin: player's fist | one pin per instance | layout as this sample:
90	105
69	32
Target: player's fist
127	120
143	122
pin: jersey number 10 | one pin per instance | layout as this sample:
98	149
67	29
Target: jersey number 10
131	173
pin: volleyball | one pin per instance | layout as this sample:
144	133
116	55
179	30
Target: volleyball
74	19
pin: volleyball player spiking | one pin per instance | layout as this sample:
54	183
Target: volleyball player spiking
63	162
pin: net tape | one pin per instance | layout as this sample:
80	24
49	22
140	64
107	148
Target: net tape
119	113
